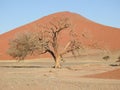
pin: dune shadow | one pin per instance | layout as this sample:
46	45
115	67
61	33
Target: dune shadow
23	67
114	65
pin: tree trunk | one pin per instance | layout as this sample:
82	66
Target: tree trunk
57	61
56	57
52	54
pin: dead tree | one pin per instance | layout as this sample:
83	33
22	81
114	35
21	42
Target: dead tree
51	34
46	40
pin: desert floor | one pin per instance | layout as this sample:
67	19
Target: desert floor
82	73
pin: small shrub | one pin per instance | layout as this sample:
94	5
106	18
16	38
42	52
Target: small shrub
106	57
118	59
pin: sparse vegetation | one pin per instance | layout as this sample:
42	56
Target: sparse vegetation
118	60
106	58
46	40
20	46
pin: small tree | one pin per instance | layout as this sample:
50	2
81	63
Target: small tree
20	45
46	40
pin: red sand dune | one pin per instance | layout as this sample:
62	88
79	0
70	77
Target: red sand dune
114	74
108	37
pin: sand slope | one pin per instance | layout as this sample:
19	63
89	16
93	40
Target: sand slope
107	37
114	74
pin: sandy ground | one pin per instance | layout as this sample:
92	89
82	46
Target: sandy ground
38	74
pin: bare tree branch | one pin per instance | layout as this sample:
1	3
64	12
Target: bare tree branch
46	40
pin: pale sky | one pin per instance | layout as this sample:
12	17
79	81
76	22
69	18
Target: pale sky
15	13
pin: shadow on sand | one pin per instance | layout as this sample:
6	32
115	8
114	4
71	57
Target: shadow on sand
23	67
